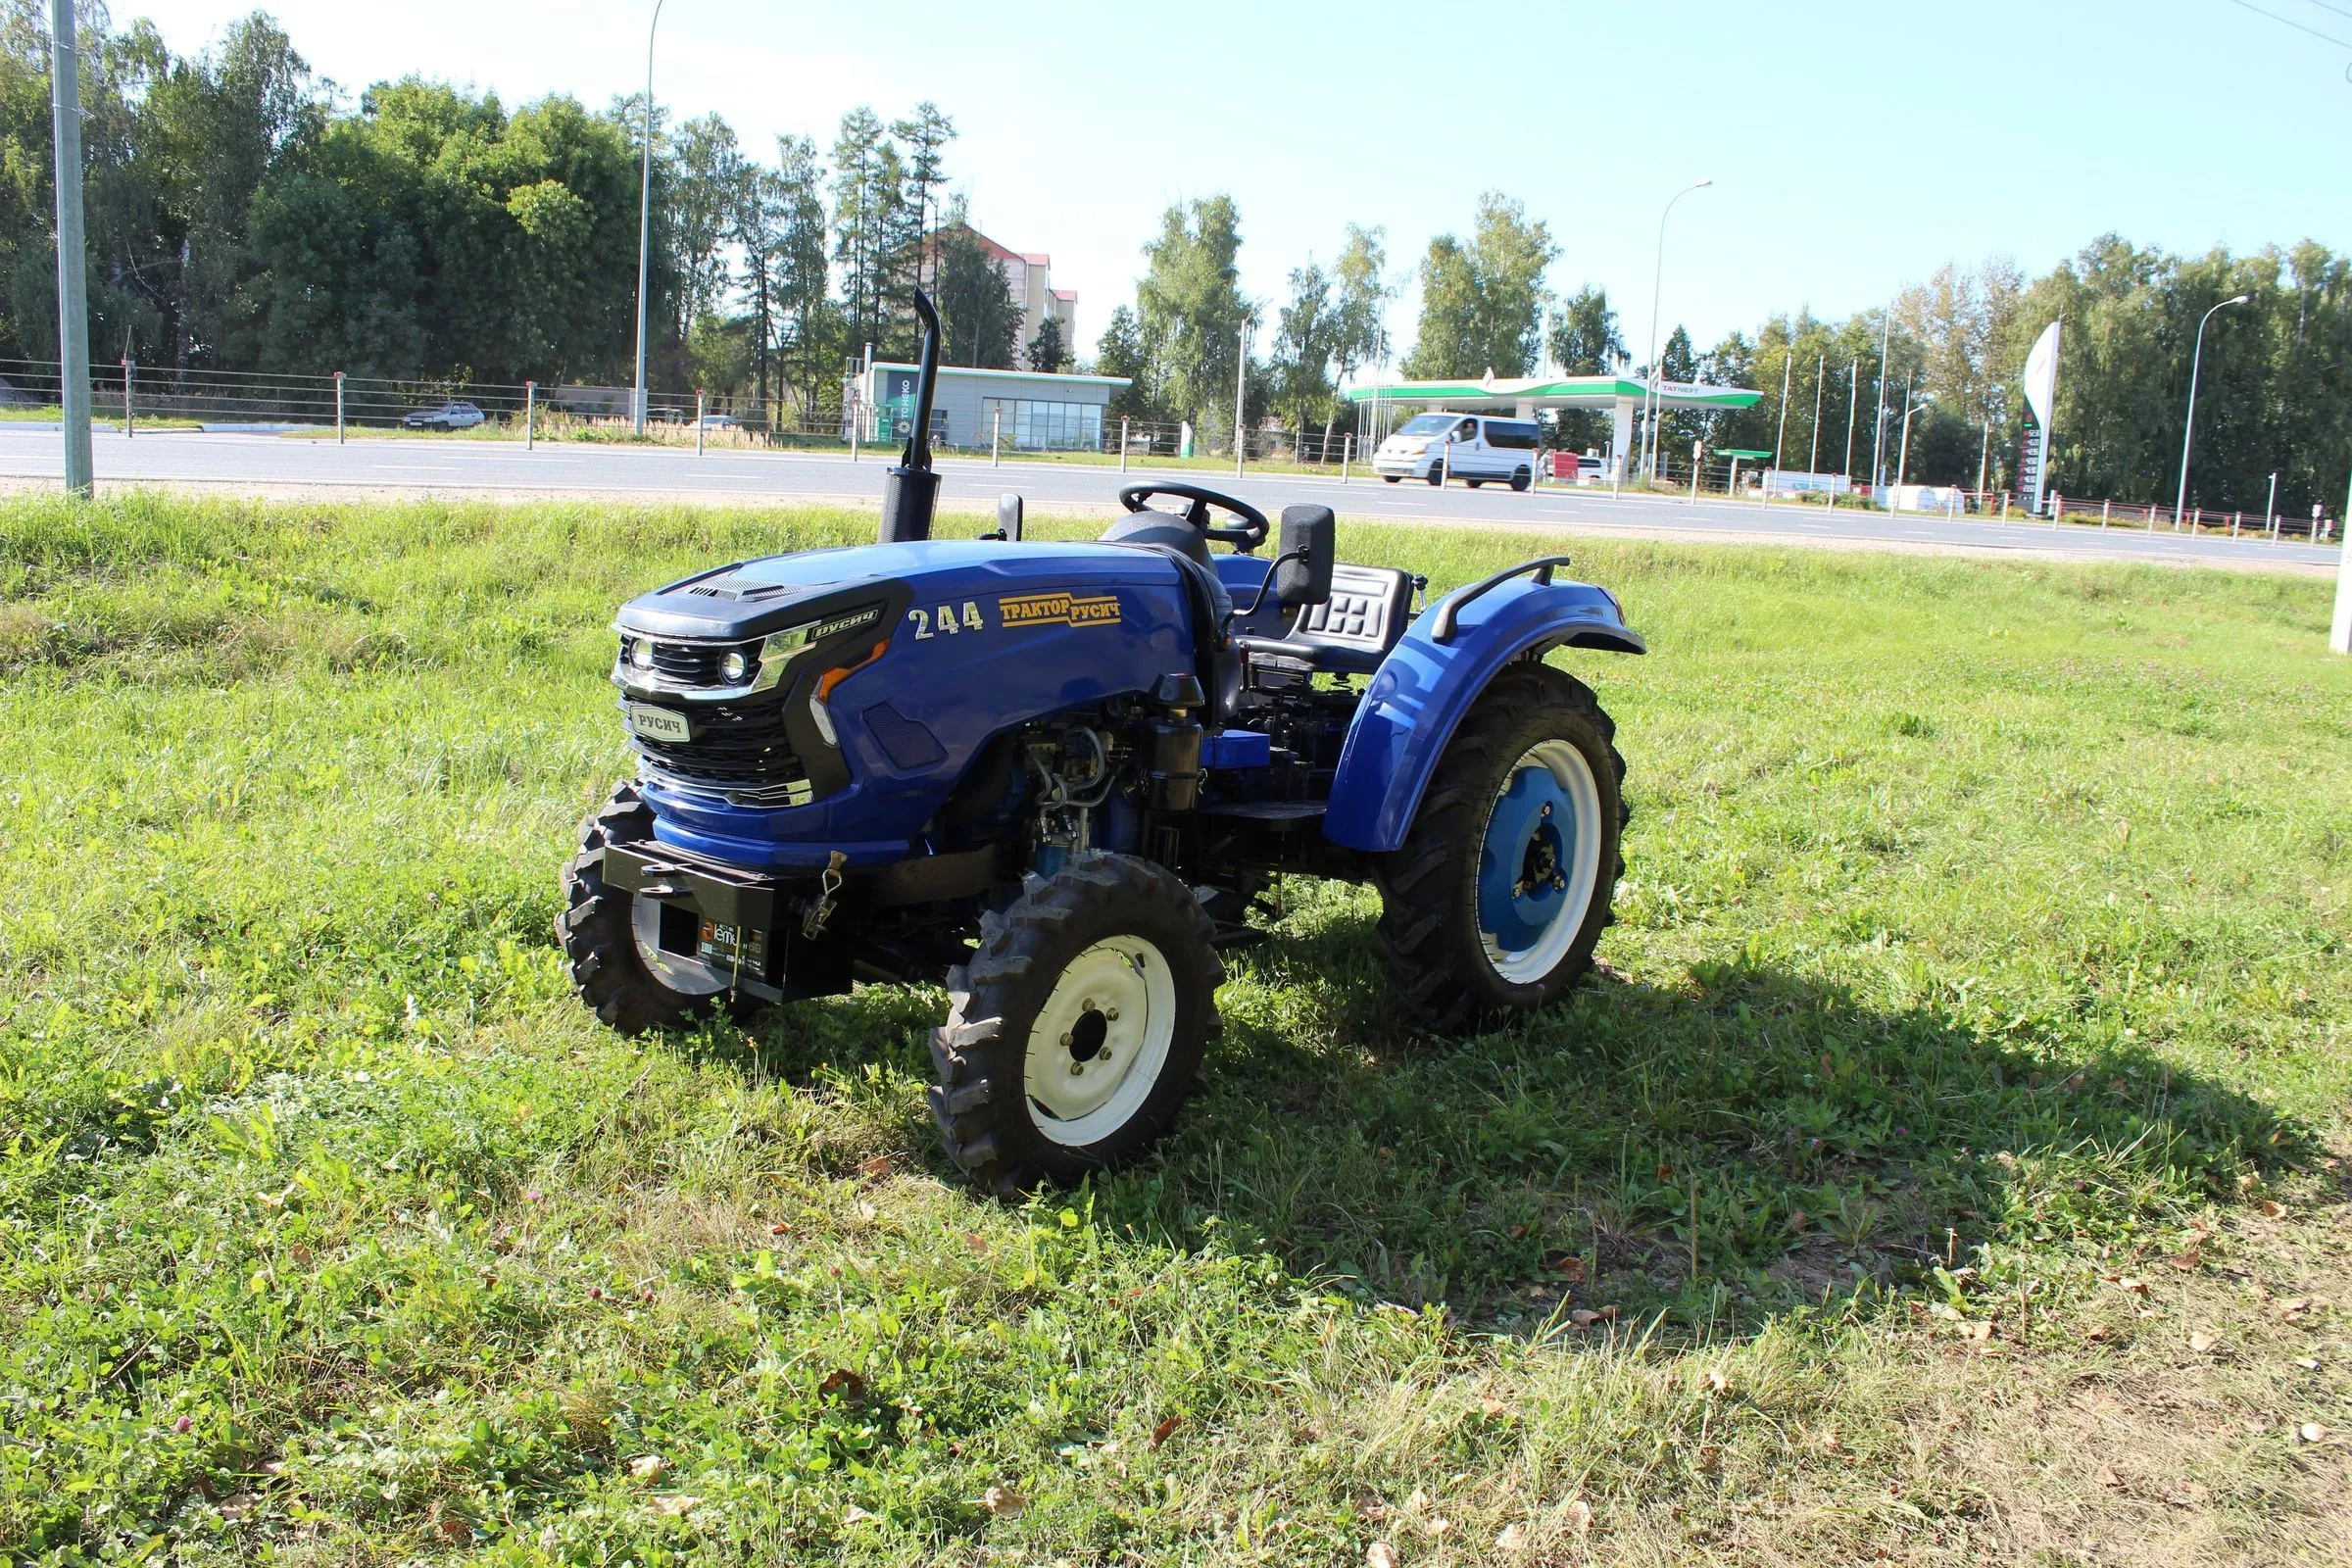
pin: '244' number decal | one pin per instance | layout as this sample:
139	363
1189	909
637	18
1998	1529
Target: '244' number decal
947	619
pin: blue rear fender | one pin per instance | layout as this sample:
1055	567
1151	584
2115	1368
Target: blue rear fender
1421	691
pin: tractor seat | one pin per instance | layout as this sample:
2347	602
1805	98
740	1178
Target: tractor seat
1348	634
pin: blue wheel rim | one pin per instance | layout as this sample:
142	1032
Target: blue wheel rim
1525	865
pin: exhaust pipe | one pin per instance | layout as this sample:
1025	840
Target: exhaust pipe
910	493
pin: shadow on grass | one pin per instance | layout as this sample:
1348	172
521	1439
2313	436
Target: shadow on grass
1724	1149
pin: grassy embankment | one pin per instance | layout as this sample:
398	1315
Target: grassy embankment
1945	1166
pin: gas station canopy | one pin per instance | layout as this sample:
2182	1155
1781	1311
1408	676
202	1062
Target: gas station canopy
1522	396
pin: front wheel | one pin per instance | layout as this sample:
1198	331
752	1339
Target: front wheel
1394	478
1504	884
632	957
1077	1028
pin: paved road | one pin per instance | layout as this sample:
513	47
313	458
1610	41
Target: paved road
428	466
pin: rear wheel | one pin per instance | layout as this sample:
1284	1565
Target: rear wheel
1078	1026
1394	478
1437	473
1523	480
1474	483
622	967
1504	884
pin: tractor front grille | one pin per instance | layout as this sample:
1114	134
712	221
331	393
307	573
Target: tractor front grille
739	751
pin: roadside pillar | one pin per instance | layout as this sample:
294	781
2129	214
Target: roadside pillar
1122	441
530	410
1347	455
1699	451
128	370
698	421
996	439
338	408
2339	635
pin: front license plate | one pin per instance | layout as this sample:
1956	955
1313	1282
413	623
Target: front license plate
660	724
732	947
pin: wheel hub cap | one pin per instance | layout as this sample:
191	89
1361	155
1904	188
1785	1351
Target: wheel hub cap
1522	887
1098	1043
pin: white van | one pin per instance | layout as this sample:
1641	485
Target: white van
1473	447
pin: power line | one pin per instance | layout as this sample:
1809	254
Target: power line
2297	26
2338	10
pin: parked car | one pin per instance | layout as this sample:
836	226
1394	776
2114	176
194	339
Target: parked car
1469	447
721	421
451	416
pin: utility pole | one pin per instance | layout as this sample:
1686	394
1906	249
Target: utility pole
1878	426
72	283
1902	468
645	211
1781	434
1241	388
1854	401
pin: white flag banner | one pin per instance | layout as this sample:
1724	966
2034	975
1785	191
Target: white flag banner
2041	397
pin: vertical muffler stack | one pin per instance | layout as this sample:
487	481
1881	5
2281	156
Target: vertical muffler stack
910	493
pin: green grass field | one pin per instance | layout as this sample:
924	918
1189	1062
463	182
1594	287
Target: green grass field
1945	1167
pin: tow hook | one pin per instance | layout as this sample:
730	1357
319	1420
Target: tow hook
813	924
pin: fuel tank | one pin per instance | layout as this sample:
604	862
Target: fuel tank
785	708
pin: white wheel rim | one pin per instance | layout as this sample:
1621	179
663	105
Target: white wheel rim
673	971
1111	1018
1574	776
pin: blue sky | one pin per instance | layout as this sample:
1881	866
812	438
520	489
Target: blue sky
1854	147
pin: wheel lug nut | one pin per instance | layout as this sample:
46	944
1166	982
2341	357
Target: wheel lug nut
1103	1055
1112	1014
1088	1005
1077	1068
1066	1042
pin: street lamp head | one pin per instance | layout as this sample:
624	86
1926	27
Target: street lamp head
1702	184
2240	300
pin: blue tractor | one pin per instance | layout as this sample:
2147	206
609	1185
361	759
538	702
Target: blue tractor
1058	779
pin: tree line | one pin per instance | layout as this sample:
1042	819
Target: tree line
241	216
2269	397
1951	350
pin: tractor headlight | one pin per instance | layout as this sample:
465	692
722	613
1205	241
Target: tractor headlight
640	652
734	666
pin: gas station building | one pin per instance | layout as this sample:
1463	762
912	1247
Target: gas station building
1524	397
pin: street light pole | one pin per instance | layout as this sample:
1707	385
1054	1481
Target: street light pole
1658	283
2189	429
72	258
644	211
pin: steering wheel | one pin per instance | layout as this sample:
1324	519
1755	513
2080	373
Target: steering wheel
1245	535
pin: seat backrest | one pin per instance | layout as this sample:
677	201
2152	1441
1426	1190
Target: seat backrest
1361	620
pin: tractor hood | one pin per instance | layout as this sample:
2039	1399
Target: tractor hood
777	593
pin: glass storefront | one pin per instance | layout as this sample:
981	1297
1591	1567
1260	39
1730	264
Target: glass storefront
1034	426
